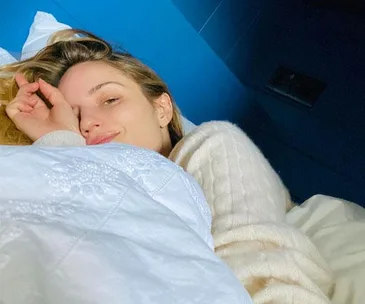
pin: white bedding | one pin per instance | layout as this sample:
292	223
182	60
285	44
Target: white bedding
337	228
105	224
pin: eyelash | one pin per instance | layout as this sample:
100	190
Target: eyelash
110	101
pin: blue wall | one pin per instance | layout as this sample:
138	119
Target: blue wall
157	33
316	151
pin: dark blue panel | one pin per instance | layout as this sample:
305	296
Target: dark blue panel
274	5
278	36
321	44
230	21
315	43
197	12
303	39
353	164
253	58
319	140
304	177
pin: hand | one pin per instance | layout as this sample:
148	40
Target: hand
32	116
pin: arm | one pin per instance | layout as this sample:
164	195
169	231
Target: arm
233	173
61	138
275	262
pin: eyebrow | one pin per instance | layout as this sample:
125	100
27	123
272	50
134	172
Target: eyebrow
99	86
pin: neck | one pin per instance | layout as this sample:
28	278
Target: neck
166	149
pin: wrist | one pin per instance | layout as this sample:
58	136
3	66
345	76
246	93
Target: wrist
55	129
61	138
60	127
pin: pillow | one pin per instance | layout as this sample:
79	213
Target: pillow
44	25
5	57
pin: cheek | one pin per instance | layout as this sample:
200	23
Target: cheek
141	113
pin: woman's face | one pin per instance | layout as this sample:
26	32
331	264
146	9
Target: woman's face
112	107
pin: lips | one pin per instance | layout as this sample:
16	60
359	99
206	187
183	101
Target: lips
102	139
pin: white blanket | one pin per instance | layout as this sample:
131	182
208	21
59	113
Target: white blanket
314	254
277	263
337	228
105	224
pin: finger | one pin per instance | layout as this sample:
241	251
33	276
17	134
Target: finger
12	109
30	101
20	79
53	95
25	108
25	87
26	101
28	89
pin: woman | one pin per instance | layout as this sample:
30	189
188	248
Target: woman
93	95
161	127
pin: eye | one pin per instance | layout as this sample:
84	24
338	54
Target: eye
110	101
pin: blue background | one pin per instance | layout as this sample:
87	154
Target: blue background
217	56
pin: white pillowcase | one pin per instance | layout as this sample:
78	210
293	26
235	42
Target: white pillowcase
5	57
43	26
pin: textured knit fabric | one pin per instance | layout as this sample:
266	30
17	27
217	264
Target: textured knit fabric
337	228
61	138
274	261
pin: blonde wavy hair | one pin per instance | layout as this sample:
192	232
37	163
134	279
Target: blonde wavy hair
65	49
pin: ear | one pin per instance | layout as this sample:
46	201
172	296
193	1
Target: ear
164	109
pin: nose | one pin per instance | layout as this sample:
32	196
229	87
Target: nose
89	123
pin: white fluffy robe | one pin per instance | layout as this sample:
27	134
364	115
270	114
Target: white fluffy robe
275	261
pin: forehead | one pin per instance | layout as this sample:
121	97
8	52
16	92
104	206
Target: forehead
79	79
88	73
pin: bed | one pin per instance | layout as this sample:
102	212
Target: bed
336	227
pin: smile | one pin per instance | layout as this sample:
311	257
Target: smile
103	139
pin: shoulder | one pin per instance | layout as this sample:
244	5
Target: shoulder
216	127
211	138
217	133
